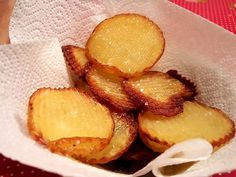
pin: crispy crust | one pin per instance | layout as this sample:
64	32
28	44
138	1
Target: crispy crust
113	69
71	147
159	145
173	106
156	146
117	104
37	136
130	123
188	83
70	58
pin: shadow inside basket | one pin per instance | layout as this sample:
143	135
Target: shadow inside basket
137	157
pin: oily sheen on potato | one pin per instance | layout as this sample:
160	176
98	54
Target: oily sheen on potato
196	121
158	92
69	121
126	44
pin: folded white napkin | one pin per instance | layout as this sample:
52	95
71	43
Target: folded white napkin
187	151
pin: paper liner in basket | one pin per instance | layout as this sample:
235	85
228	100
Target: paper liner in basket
198	49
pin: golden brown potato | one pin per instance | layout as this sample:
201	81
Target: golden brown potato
196	121
126	44
78	147
108	88
188	83
124	134
76	59
158	92
69	122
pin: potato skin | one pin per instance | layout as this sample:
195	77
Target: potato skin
158	145
112	69
153	143
75	65
37	136
172	107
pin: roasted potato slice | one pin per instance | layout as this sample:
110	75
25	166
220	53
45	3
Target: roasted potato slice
188	83
76	59
158	92
196	121
126	44
69	122
124	134
108	88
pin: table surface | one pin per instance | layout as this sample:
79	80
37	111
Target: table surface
221	12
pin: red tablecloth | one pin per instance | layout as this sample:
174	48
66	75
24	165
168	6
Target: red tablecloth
221	12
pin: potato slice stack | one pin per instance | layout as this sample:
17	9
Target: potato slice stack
74	124
95	121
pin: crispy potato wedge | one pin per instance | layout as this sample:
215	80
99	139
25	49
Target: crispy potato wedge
124	134
196	121
158	92
66	120
108	89
126	44
76	59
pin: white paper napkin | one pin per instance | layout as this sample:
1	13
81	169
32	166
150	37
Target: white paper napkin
198	49
193	150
